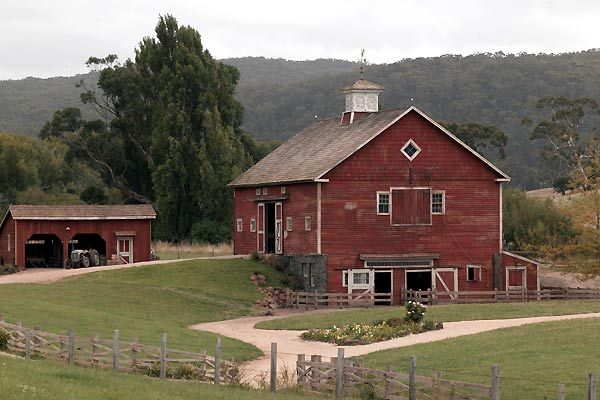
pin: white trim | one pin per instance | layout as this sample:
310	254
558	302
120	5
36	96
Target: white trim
518	257
318	217
289	224
359	286
129	254
321	180
260	215
252	222
474	266
410	188
283	189
505	178
15	241
351	117
389	201
258	191
345	278
408	143
443	193
8	246
523	277
391	271
239	225
279	228
307	223
430	270
500	239
82	218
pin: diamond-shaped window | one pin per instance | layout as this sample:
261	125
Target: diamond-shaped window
411	150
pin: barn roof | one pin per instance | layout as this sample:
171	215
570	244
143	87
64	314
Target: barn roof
82	212
362	84
320	147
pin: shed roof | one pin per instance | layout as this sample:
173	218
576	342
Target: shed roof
82	212
362	84
320	147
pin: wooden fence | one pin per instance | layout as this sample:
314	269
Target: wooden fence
346	377
501	296
315	300
130	356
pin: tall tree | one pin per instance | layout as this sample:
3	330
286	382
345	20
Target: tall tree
169	129
479	136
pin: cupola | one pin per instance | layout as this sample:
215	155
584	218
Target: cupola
361	97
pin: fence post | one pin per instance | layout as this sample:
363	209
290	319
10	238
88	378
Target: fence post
36	340
339	374
134	351
273	385
412	379
436	382
218	362
592	380
495	382
301	370
71	356
94	349
27	344
116	350
315	294
163	356
561	391
202	365
63	346
389	386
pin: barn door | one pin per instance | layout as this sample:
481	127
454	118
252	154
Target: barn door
445	281
278	228
516	278
125	249
260	228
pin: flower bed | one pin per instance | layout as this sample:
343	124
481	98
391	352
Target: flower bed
357	334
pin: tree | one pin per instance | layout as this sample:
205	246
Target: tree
169	131
479	136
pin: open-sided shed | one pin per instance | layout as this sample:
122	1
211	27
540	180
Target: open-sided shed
44	236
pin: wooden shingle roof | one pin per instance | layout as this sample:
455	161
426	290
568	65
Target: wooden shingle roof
323	145
82	212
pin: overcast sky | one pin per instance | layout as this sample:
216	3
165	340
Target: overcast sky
54	38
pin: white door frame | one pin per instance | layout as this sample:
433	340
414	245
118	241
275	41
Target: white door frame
437	276
407	270
523	278
128	254
260	228
391	271
367	287
279	228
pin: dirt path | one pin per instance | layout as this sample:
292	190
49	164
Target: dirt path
289	344
49	275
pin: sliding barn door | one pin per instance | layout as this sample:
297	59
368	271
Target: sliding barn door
278	228
260	228
446	282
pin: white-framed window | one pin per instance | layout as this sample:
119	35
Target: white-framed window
438	202
239	225
9	242
383	203
307	223
265	191
473	273
410	150
360	278
308	272
283	190
258	192
252	224
345	278
288	224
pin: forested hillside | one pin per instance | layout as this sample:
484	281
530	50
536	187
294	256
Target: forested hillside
280	97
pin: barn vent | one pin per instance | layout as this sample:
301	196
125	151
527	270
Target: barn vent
362	97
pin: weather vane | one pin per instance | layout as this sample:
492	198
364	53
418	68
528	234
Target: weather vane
363	62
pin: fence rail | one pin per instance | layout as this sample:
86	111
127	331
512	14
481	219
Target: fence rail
501	296
120	355
315	300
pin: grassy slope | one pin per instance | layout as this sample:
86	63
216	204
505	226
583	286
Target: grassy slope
532	359
143	302
50	380
445	313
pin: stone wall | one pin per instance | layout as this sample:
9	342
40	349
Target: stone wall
302	267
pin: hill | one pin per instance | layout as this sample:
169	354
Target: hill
281	97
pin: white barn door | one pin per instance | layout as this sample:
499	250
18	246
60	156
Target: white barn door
278	228
260	228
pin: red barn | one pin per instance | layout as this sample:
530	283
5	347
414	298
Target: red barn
381	201
45	235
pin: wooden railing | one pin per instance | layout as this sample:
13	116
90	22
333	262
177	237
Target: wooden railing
129	356
500	296
315	300
350	378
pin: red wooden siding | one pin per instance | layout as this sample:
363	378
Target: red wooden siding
411	206
7	241
516	279
468	232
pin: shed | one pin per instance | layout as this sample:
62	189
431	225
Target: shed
44	235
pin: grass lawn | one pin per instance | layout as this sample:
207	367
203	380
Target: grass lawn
533	359
441	313
144	302
50	380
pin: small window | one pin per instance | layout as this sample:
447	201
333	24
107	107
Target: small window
258	192
283	190
305	270
473	273
9	242
252	224
438	205
410	150
383	203
345	278
311	275
265	191
288	224
360	278
240	225
307	223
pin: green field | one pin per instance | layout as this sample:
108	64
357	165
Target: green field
144	302
49	380
441	313
533	359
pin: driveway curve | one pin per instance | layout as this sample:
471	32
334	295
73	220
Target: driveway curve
49	275
289	344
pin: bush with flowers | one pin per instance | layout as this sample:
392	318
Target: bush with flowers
357	334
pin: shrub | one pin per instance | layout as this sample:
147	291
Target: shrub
184	371
415	311
254	256
8	269
394	322
4	338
